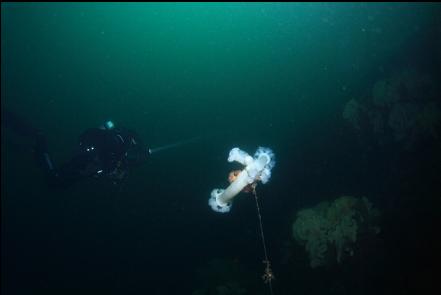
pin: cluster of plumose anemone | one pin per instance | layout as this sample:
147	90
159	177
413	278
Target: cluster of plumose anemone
257	168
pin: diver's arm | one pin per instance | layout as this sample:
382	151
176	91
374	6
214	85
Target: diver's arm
65	176
78	168
137	152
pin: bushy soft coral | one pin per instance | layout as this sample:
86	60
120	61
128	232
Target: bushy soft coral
310	229
332	228
403	108
352	113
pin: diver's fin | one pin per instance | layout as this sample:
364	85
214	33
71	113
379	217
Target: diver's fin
17	124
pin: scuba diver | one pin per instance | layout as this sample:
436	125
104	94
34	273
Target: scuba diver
105	151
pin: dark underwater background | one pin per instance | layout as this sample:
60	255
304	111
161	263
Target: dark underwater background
279	75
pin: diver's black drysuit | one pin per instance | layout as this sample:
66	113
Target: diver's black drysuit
100	152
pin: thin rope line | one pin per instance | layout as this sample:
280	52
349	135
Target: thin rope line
268	275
